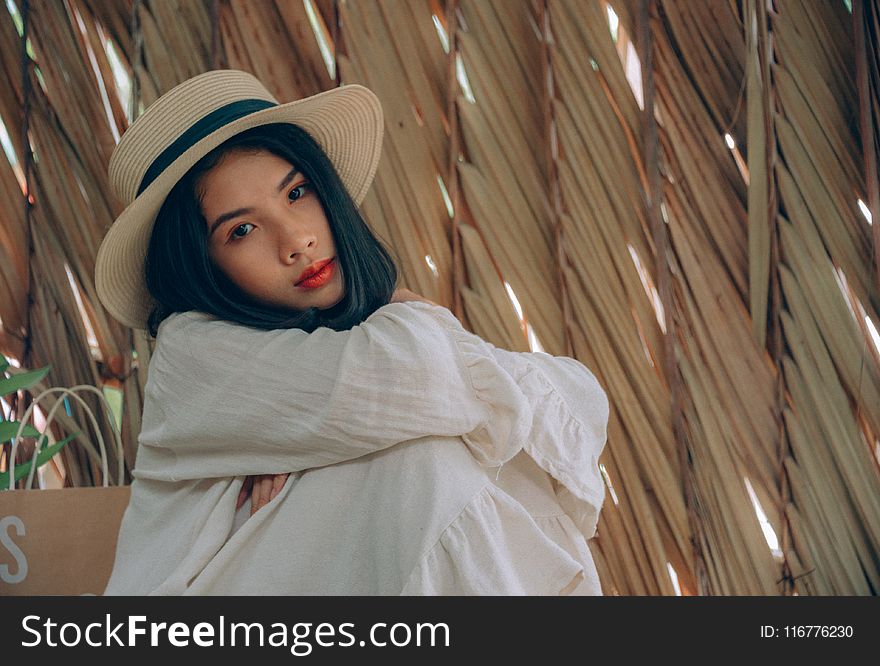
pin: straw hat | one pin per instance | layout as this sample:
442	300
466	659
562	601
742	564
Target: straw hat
185	124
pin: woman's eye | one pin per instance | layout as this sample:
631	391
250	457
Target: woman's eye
298	192
235	235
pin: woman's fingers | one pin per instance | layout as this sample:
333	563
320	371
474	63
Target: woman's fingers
267	490
262	488
256	494
244	492
278	482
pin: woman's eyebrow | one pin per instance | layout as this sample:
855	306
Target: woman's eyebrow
293	173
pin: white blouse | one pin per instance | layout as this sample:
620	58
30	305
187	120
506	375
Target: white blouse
423	460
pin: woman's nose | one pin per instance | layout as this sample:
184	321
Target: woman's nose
294	242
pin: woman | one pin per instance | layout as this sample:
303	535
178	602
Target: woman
421	459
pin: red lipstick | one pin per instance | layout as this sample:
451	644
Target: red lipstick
317	274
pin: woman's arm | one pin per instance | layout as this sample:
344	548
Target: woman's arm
226	400
265	487
568	414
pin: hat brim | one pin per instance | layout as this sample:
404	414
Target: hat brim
346	121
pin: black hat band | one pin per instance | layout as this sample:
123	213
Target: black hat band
210	123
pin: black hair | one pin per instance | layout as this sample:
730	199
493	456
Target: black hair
181	276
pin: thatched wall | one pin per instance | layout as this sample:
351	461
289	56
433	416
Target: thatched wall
712	262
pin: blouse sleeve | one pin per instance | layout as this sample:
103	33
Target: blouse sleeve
569	428
228	400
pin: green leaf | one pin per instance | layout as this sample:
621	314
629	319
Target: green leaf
42	458
9	428
3	363
23	380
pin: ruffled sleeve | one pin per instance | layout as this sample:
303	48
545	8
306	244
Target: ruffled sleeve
569	428
226	400
569	422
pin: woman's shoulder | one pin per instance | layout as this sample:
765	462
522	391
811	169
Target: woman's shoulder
402	308
397	321
197	330
416	314
179	320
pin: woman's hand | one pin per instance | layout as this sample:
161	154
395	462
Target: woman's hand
262	488
403	295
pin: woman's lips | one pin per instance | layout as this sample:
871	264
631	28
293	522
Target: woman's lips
320	278
312	269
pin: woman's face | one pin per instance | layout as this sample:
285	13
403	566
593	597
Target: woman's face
266	226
